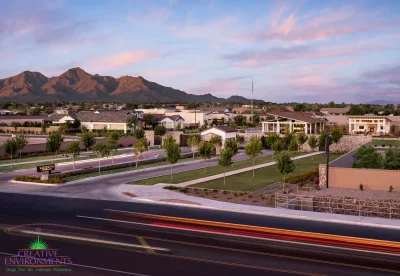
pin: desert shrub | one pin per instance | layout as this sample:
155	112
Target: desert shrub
307	175
383	145
171	187
361	187
36	179
390	188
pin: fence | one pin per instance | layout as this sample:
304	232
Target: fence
346	206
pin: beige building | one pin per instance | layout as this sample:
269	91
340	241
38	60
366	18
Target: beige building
293	123
224	131
376	125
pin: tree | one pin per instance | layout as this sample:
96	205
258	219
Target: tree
139	147
240	140
74	149
271	138
139	133
48	109
302	138
240	120
253	148
131	122
88	140
313	143
160	130
255	119
205	151
293	145
276	147
173	152
113	143
285	165
392	159
336	134
193	142
368	158
76	123
225	159
53	142
21	141
148	119
356	110
322	138
101	150
231	143
287	138
331	104
10	148
168	140
216	141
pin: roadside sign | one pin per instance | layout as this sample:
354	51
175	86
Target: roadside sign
46	168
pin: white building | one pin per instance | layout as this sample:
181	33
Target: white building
294	123
375	125
224	131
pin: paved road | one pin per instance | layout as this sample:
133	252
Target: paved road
100	188
102	242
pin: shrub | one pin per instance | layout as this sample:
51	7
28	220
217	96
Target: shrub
375	146
36	179
316	181
383	145
307	175
225	192
361	187
250	196
390	188
171	187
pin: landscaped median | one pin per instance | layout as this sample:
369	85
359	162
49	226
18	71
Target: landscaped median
94	171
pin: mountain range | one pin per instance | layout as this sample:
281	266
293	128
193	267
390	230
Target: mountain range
76	85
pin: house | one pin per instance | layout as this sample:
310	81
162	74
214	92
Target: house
375	125
60	118
335	110
224	131
239	110
170	122
291	122
109	119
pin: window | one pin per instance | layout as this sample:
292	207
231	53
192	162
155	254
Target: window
360	127
381	127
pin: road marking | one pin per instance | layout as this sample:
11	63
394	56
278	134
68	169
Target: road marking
9	231
92	267
264	229
235	235
146	245
254	252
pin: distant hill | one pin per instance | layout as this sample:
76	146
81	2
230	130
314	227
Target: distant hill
381	102
78	85
240	99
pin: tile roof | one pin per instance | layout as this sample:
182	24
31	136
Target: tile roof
294	116
104	116
336	109
226	129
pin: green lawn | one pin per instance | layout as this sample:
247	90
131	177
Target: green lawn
32	165
28	159
83	176
195	174
387	143
264	176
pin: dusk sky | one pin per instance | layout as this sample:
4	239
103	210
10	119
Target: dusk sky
317	51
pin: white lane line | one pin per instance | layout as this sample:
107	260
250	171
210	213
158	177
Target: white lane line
92	267
240	236
87	240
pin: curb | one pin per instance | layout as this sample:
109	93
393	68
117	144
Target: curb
302	217
35	183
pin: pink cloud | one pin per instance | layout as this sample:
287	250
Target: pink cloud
314	81
328	65
167	73
119	60
329	24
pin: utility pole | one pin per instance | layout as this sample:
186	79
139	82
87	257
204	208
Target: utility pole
252	90
327	160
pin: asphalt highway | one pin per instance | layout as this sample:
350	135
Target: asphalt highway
110	238
100	189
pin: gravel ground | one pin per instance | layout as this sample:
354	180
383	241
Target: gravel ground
340	192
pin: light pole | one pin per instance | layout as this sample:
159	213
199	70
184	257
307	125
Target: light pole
327	160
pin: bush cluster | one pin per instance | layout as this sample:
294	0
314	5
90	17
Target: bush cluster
307	175
36	179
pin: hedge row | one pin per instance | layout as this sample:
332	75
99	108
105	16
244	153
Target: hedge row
305	176
36	179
